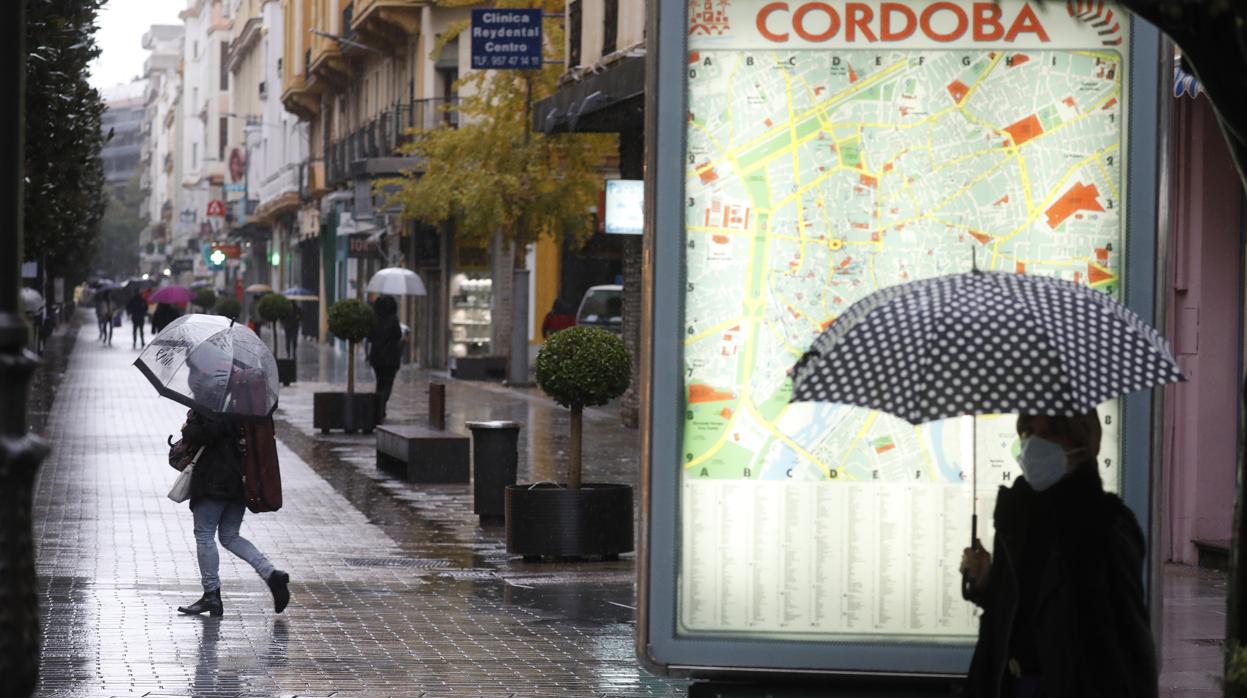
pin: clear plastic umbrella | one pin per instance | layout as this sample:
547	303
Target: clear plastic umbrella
210	364
396	281
32	300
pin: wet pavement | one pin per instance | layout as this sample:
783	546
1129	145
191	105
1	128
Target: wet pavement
397	589
391	596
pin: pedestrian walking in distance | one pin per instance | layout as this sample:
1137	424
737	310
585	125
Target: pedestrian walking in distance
104	315
385	350
137	308
1064	612
217	502
291	325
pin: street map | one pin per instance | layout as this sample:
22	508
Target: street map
814	178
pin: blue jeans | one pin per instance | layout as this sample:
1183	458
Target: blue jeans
217	515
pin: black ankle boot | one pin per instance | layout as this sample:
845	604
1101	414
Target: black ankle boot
279	584
210	602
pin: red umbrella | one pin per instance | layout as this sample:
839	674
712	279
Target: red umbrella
174	295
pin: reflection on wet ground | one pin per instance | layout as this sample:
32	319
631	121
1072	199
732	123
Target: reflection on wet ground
396	591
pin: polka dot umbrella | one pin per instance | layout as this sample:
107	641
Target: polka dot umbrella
983	343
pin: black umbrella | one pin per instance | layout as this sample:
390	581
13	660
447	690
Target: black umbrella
983	343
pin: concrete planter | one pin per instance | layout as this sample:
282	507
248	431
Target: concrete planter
345	411
548	520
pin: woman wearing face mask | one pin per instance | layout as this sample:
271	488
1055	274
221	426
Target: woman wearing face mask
1064	613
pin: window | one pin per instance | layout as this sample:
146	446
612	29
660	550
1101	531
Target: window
224	66
223	136
194	98
194	155
279	65
610	26
195	50
574	21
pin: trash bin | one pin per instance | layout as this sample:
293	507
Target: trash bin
495	459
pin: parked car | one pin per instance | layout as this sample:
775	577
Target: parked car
602	306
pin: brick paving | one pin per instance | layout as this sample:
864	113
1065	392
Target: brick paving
398	590
385	602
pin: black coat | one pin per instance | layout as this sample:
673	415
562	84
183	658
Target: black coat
385	344
1066	588
218	472
164	315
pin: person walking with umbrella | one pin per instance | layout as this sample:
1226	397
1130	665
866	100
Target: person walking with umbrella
104	316
385	350
1062	589
137	308
291	325
165	314
1062	597
216	359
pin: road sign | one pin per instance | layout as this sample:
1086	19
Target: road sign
216	208
506	39
821	538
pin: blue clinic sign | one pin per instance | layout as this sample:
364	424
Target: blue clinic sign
506	39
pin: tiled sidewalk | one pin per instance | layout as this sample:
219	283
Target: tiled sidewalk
398	591
371	616
1193	615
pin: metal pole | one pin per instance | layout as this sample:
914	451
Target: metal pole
20	452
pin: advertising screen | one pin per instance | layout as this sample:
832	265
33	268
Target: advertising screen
833	149
625	206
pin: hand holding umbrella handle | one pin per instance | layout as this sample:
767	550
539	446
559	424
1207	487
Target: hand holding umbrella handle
967	582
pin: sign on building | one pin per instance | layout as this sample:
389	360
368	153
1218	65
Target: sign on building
811	154
216	208
506	39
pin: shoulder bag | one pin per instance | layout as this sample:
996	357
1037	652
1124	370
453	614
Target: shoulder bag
181	490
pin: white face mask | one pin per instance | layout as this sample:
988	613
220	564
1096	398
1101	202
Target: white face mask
1042	461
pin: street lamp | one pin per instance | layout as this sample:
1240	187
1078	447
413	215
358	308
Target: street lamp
168	271
21	452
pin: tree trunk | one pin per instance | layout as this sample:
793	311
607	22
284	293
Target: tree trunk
576	462
350	368
502	266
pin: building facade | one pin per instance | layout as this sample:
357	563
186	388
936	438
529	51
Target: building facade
161	154
123	118
205	108
603	91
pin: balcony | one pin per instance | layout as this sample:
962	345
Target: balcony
279	194
387	24
301	99
326	64
384	136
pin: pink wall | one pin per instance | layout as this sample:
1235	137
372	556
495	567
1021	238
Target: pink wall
1203	323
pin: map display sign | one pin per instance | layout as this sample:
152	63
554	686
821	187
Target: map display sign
834	149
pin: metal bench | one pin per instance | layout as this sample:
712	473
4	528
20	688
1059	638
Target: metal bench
425	453
422	454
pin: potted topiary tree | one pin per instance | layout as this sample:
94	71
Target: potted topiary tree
274	308
578	367
205	298
351	320
228	307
